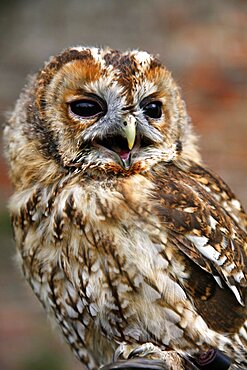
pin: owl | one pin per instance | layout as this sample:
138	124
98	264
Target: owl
132	245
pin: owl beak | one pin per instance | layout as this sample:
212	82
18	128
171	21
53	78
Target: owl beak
130	130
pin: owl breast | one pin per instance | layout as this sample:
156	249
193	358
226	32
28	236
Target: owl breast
95	263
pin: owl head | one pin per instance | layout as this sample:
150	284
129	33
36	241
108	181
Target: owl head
94	110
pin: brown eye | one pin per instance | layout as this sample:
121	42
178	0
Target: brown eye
87	108
153	109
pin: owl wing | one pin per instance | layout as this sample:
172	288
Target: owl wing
205	221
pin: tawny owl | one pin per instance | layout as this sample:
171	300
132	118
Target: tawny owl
133	246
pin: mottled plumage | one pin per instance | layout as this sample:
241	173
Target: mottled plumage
124	236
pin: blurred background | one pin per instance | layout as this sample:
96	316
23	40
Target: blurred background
204	44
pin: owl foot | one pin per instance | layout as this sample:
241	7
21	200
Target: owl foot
147	350
152	356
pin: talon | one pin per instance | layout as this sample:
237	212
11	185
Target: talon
144	350
119	351
135	352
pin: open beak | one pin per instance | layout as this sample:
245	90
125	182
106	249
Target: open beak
123	142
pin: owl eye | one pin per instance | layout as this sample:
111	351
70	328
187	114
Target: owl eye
153	109
87	108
